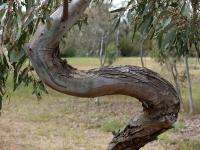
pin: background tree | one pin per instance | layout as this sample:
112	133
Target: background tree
94	33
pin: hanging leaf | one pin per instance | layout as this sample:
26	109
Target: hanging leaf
38	88
118	10
23	75
146	24
186	10
3	11
17	68
28	20
16	55
169	38
116	24
3	6
19	25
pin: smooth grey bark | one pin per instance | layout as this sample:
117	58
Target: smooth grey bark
142	50
102	60
172	67
117	42
178	87
189	82
101	51
159	99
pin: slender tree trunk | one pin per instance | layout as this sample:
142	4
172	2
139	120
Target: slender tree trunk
191	104
101	57
1	103
142	50
172	67
117	42
176	75
101	51
159	99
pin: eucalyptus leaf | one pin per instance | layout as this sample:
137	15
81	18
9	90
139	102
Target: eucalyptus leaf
16	55
146	24
186	10
3	11
169	38
19	25
3	6
118	10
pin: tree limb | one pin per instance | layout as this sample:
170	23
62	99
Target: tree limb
159	99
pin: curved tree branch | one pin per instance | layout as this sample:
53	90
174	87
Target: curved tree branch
158	97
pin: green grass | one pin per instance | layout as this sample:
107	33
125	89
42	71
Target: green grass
168	139
178	126
196	95
189	145
111	125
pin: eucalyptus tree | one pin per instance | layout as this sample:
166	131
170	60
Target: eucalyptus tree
30	22
174	24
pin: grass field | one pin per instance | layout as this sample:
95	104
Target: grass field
62	122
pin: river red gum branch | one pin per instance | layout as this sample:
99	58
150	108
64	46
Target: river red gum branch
159	99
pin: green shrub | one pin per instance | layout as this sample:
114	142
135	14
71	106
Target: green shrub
111	125
167	138
128	48
164	137
111	54
178	126
189	145
69	53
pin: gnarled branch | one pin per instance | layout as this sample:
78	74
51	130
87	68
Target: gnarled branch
158	97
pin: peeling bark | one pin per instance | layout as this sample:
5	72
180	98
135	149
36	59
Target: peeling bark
159	99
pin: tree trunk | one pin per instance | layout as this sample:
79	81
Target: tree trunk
159	99
101	51
142	50
1	103
176	74
101	57
191	104
117	42
172	67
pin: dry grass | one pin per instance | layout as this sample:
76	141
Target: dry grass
59	122
62	122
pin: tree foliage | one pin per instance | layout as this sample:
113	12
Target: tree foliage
19	20
174	24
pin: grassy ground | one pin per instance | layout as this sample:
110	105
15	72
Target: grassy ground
62	122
